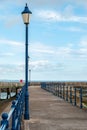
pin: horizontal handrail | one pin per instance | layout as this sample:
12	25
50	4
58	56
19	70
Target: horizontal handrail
76	95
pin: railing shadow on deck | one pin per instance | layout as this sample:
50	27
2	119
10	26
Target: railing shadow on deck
75	94
12	120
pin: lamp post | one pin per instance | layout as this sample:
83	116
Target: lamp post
29	70
26	17
29	76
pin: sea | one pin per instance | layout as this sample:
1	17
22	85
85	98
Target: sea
3	95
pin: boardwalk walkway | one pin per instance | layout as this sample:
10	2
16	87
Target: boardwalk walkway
48	112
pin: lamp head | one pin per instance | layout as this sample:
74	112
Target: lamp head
26	15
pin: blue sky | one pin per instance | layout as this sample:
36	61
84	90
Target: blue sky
57	40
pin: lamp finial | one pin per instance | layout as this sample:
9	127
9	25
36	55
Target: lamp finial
26	4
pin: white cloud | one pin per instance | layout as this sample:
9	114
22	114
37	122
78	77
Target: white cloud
49	52
47	57
57	3
46	66
44	3
53	53
11	51
41	48
49	15
49	65
8	71
83	43
7	54
64	51
68	10
75	29
36	65
14	20
72	29
80	2
9	42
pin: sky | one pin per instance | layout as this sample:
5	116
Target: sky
57	40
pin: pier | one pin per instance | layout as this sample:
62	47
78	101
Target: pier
50	112
52	106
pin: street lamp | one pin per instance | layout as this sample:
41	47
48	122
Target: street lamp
26	18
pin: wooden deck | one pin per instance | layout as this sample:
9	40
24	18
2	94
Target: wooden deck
48	112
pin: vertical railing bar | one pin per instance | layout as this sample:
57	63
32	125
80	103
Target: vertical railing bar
81	98
75	96
70	94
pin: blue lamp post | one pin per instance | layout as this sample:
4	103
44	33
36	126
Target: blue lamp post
26	17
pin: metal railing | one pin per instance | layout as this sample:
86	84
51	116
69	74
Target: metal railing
76	95
12	120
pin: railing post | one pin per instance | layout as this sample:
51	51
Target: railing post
18	109
54	89
22	100
47	87
50	88
70	94
58	89
63	91
75	96
4	120
13	115
66	93
81	97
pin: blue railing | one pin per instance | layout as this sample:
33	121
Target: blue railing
76	95
12	120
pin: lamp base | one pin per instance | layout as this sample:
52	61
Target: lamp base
26	116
